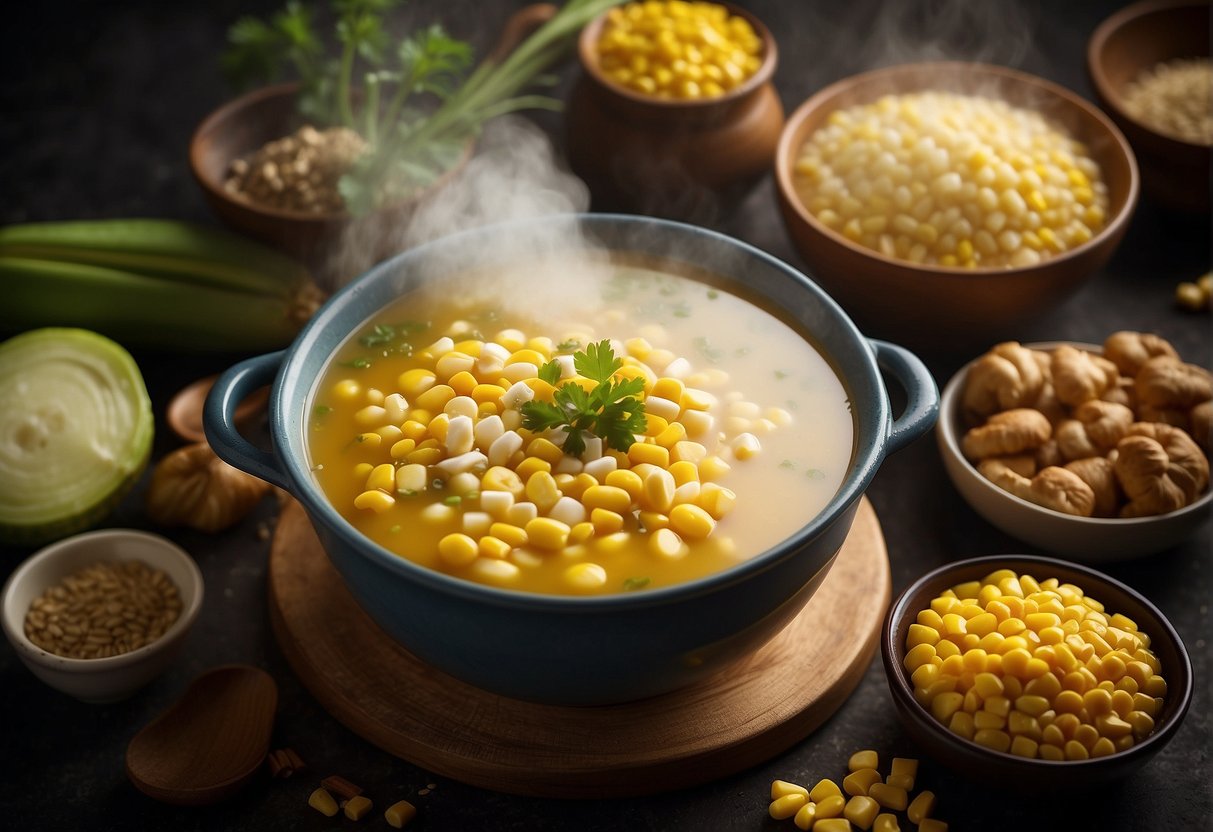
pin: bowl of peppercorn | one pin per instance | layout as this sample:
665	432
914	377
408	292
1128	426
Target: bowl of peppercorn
99	615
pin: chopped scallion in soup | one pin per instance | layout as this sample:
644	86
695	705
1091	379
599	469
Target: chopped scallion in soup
659	430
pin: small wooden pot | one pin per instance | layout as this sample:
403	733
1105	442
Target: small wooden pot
681	159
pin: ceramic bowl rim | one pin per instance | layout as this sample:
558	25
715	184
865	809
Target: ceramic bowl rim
866	459
901	690
770	58
945	428
1110	94
784	162
191	595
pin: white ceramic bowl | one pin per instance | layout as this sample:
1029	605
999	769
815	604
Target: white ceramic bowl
117	677
1087	539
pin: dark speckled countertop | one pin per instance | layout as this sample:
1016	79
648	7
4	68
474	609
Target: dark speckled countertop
97	103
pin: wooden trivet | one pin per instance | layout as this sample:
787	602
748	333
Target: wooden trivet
740	717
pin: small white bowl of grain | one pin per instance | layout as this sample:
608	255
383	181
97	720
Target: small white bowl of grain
99	615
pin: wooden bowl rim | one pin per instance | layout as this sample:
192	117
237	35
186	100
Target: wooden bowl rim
947	423
586	54
1179	680
1108	93
784	163
248	102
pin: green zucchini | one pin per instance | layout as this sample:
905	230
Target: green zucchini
153	283
75	432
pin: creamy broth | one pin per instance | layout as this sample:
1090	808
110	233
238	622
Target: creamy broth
762	379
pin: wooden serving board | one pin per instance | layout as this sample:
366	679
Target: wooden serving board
742	716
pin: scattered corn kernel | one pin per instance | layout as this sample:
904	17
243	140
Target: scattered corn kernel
357	807
859	781
399	814
861	811
787	805
323	802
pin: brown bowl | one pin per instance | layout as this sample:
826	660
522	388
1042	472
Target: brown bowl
336	245
1173	172
932	306
238	129
1020	773
674	158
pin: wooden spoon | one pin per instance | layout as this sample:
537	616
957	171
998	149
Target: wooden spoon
210	742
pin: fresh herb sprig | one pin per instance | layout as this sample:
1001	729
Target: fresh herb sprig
612	410
415	105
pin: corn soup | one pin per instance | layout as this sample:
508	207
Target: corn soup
655	430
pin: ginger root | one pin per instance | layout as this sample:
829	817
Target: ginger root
1006	434
1079	376
1054	488
1050	416
1098	473
1167	383
1130	350
195	488
1006	377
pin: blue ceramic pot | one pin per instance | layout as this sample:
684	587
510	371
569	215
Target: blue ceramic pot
577	650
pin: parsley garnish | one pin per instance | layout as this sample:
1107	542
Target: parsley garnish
550	372
635	583
611	411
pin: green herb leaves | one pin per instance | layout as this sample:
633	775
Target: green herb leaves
612	410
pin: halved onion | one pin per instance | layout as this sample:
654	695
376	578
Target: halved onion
75	432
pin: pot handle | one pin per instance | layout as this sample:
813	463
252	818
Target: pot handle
520	25
922	394
219	418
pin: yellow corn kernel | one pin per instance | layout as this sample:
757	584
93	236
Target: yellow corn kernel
921	634
500	478
546	533
323	802
609	497
945	704
932	825
921	807
435	398
889	797
861	811
905	767
962	725
382	477
376	501
886	822
829	807
863	759
691	522
823	789
545	450
357	807
399	814
642	452
684	472
983	720
530	466
780	788
510	534
458	549
1074	750
654	425
860	780
493	547
787	805
992	738
586	577
806	816
831	824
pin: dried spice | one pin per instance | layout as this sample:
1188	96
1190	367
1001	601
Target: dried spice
104	610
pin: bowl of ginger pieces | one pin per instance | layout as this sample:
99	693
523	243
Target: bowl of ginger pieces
1095	453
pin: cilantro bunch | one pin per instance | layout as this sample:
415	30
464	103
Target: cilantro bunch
612	410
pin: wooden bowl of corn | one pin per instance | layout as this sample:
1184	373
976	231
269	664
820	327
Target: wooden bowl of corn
945	202
1035	741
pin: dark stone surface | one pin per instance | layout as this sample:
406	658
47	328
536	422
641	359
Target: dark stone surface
98	102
